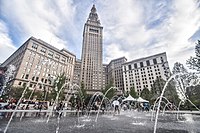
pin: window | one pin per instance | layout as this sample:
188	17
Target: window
63	59
37	78
161	58
124	68
154	61
148	63
43	50
26	77
141	64
50	54
57	56
31	85
34	46
24	84
93	30
19	83
129	67
135	65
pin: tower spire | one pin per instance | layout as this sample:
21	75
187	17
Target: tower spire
93	16
93	10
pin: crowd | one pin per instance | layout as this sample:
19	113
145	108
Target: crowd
24	104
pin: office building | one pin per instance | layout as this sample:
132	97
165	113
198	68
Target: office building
91	58
141	73
115	73
36	61
77	72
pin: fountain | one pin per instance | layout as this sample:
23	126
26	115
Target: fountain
127	121
179	76
16	107
102	101
30	97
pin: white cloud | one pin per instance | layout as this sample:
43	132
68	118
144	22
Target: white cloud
6	45
41	19
130	26
132	29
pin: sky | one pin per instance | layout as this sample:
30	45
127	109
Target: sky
131	28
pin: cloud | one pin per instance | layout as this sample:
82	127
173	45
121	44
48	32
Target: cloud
143	28
6	45
41	19
132	28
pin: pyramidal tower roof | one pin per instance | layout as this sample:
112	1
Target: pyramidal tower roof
93	16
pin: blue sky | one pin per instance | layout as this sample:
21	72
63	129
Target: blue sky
132	28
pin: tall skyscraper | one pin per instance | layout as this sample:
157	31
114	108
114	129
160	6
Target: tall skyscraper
92	66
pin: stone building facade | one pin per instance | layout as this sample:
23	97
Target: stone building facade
92	54
141	73
36	61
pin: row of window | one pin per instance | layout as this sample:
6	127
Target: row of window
51	54
141	64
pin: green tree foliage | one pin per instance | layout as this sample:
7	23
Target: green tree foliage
83	91
16	93
110	93
84	94
57	85
145	94
170	92
156	88
194	62
38	95
193	94
133	93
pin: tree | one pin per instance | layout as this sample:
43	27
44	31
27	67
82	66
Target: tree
57	85
111	92
171	93
157	88
133	93
83	91
16	92
194	62
145	94
82	94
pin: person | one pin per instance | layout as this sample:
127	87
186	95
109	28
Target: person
146	106
116	106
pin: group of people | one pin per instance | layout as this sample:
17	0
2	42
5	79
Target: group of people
24	104
139	106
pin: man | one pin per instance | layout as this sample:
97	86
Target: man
116	106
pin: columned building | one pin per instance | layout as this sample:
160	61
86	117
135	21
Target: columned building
91	59
141	73
36	61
